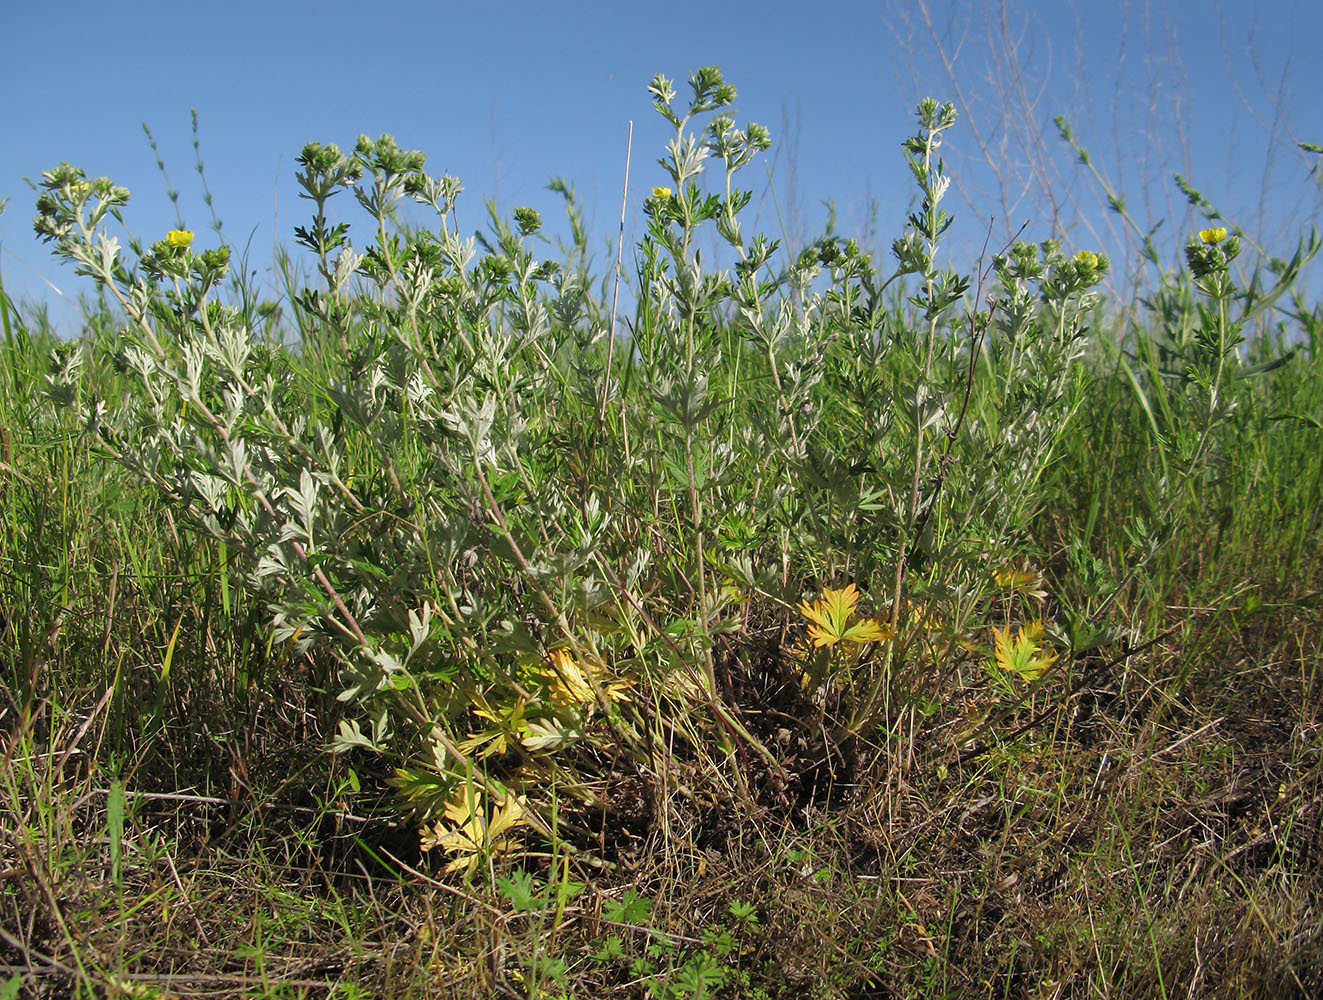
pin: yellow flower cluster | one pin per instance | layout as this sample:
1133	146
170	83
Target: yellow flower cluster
661	192
1215	235
179	237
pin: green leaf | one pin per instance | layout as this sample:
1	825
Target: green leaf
1308	419
521	890
115	827
699	975
613	947
1251	370
745	913
630	908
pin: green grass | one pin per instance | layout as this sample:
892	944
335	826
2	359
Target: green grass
580	570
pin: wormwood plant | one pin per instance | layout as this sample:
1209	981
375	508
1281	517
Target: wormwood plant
526	550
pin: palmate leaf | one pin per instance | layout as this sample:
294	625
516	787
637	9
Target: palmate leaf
571	682
1026	655
469	835
509	726
829	619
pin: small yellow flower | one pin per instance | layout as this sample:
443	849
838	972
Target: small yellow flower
179	237
1087	258
661	192
1216	235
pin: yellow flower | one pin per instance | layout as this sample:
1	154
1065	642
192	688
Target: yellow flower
179	237
1087	258
1216	235
661	192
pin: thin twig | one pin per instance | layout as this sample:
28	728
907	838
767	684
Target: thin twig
976	337
211	800
188	903
615	296
29	953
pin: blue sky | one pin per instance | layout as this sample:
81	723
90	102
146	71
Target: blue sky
507	96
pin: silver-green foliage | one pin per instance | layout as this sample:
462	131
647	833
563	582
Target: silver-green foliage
454	477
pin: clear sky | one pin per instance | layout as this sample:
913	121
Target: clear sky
506	96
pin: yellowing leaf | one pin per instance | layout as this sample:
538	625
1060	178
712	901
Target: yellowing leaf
1026	655
829	619
469	834
1020	581
499	738
570	682
548	734
868	630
